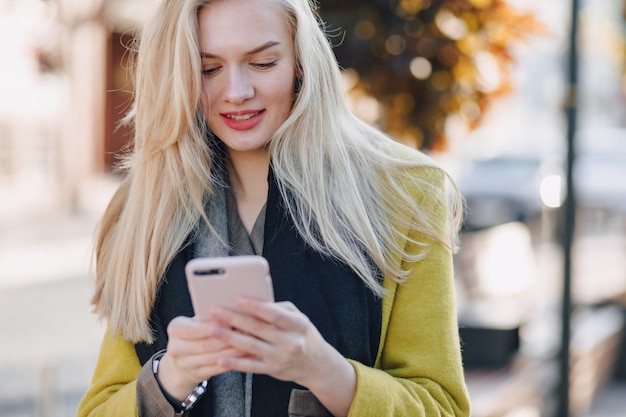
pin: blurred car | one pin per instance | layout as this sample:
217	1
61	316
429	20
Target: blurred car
502	189
511	188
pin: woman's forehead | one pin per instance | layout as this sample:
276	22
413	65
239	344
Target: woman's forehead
226	24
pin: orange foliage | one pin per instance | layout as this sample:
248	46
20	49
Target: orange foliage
465	52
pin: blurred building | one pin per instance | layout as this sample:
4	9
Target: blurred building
63	91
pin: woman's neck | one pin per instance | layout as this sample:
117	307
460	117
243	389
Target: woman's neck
248	178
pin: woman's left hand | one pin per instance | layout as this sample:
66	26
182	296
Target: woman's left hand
281	341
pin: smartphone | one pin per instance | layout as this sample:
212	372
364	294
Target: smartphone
221	281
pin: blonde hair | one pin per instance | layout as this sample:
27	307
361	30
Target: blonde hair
350	189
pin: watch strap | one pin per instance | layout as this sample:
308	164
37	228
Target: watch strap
180	407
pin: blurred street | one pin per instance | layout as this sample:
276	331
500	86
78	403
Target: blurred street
510	279
49	338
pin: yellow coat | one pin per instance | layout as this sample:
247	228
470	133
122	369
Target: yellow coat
418	370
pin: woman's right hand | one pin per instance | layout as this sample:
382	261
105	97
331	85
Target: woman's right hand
191	357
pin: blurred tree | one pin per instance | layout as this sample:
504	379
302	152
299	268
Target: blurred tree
425	60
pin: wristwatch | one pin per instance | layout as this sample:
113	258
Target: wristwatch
180	407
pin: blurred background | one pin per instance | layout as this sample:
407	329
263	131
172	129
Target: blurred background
481	85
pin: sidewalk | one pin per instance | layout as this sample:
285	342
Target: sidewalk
610	401
49	347
49	337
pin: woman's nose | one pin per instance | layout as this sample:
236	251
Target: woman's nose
239	87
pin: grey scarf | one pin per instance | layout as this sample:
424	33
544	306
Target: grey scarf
232	391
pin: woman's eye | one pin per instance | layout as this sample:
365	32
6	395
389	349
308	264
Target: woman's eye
209	71
265	65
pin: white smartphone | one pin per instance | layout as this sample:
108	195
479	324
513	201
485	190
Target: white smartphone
221	281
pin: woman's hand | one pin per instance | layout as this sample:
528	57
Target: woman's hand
278	340
192	352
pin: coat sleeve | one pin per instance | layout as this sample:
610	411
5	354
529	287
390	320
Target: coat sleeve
419	370
113	387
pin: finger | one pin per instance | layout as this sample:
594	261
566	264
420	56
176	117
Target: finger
196	346
274	364
197	361
287	305
243	324
284	315
244	364
275	351
204	366
265	345
190	328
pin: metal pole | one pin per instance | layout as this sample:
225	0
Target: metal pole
569	217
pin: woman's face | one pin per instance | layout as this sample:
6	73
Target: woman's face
248	71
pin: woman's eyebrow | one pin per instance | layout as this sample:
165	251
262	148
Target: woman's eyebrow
258	49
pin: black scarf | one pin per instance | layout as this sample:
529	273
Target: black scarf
334	298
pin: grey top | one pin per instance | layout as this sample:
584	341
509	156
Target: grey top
241	242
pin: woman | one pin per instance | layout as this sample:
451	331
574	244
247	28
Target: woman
244	145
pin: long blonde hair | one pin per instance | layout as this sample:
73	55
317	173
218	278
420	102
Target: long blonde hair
350	189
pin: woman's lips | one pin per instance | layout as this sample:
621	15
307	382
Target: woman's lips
243	120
